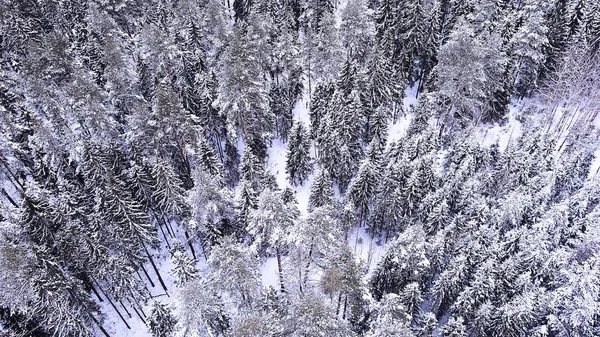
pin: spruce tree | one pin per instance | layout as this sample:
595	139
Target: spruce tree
298	163
161	321
183	269
321	191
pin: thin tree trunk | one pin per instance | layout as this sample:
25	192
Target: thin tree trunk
280	270
113	305
345	305
168	224
187	238
147	276
339	303
138	314
141	279
13	176
133	306
124	308
164	236
310	251
99	326
10	199
160	279
420	83
96	293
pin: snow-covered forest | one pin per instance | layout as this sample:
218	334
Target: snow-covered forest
302	168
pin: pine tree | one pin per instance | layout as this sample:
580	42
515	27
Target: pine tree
320	105
184	268
321	191
404	262
202	310
390	318
529	43
161	321
466	74
298	163
169	194
362	187
357	30
454	328
242	93
270	225
558	19
385	87
312	316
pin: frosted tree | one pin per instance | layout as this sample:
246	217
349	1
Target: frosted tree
257	324
312	317
298	164
385	86
322	49
404	262
362	187
342	277
357	30
321	191
236	268
212	208
314	239
465	75
270	224
243	95
320	105
184	268
390	318
201	310
169	194
161	321
529	43
454	328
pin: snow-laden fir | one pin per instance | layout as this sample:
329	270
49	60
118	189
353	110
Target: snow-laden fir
303	168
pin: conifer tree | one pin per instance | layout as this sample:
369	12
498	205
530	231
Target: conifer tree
321	191
183	269
242	93
298	164
362	186
161	321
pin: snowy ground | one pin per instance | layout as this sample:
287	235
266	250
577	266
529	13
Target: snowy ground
364	246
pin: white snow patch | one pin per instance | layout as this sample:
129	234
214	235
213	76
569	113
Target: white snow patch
269	273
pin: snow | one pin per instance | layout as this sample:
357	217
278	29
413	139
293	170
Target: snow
269	273
364	246
398	129
595	164
502	134
113	323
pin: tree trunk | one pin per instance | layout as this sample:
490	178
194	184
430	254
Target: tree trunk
280	270
124	308
168	224
308	262
99	326
160	279
113	305
164	236
8	197
147	276
187	238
